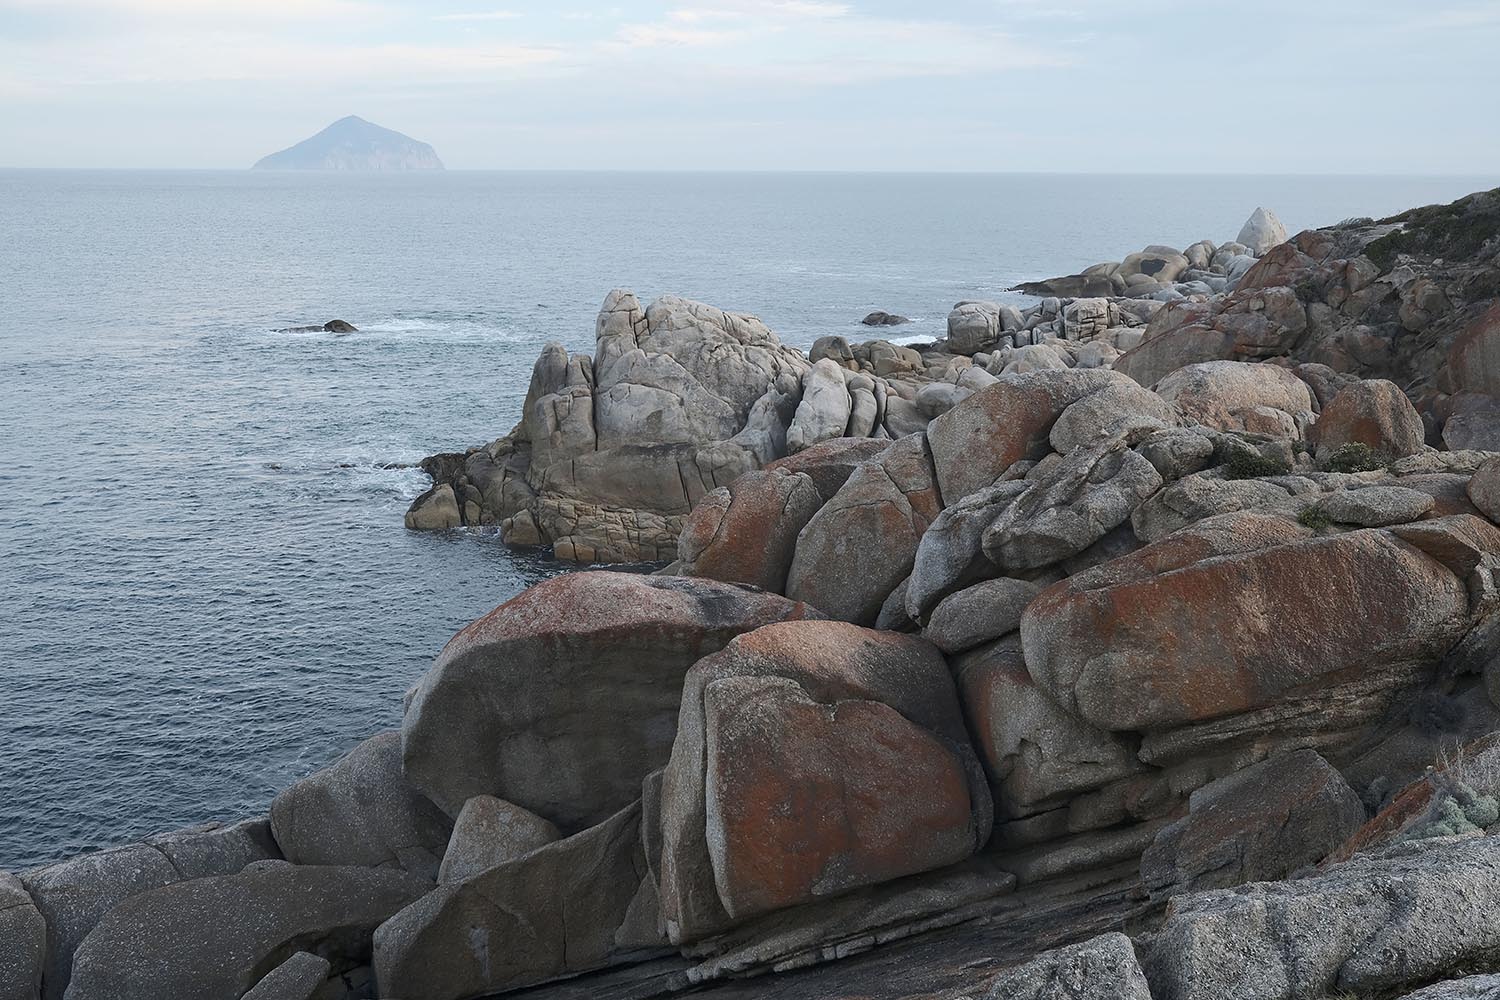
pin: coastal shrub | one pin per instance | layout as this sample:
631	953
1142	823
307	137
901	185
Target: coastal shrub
1453	232
1245	463
1356	457
1314	517
1464	796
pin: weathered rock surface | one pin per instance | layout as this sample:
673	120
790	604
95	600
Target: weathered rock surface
773	795
1236	396
1467	988
562	699
1033	751
1376	506
746	532
24	936
862	542
1484	489
830	463
977	440
1371	925
1375	413
571	906
361	811
1070	503
1257	609
490	832
298	978
1260	823
210	938
950	554
978	614
1102	968
73	895
1261	231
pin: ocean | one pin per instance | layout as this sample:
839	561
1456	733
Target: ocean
206	591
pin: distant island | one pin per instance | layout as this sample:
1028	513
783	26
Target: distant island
351	143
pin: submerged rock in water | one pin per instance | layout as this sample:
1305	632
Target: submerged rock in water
882	318
332	326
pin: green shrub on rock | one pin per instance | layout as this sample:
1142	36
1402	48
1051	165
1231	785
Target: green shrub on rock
1356	457
1314	517
1244	463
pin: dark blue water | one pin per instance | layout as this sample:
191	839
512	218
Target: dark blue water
205	588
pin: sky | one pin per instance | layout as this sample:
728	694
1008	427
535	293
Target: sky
1148	86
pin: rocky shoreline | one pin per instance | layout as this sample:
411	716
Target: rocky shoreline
1143	644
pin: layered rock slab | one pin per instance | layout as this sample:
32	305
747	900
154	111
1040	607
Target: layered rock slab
210	938
1262	822
777	789
562	699
1232	613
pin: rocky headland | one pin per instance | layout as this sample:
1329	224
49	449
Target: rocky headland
1143	643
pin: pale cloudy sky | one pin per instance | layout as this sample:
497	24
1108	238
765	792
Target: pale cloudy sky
1286	86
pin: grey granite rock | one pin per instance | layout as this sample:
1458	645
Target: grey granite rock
1101	968
362	811
490	832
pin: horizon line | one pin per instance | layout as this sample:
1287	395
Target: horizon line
930	172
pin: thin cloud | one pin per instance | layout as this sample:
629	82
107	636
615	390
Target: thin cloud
481	15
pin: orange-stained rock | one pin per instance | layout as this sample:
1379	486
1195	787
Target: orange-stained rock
804	799
1374	413
1238	395
1234	612
977	440
563	698
831	462
812	758
747	531
1474	358
1157	357
862	543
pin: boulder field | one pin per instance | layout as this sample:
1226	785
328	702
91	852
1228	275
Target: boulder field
1066	686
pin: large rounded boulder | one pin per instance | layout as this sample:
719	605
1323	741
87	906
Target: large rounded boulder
1232	613
779	788
562	699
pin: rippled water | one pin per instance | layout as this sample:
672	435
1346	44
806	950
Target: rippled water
205	588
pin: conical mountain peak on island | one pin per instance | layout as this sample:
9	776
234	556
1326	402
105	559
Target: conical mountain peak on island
351	143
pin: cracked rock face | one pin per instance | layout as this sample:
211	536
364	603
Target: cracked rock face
1371	925
74	895
773	794
1255	609
1262	822
861	544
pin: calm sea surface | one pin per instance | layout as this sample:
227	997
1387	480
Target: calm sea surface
205	587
